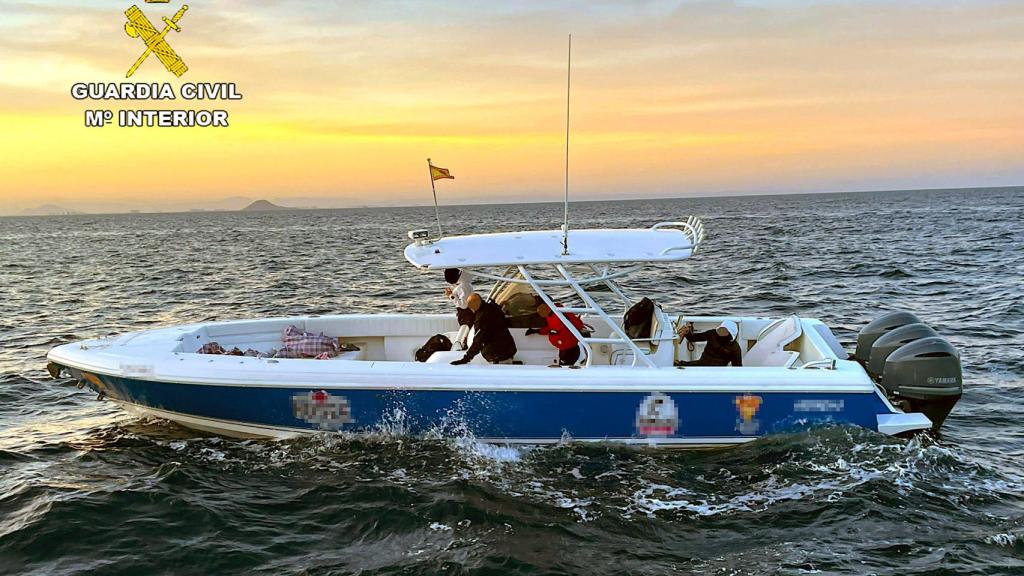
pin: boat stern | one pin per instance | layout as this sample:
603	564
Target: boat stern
903	423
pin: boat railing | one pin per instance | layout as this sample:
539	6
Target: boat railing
692	227
600	277
658	339
824	363
599	273
616	334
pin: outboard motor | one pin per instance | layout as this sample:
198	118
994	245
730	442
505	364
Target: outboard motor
926	376
878	328
888	343
919	370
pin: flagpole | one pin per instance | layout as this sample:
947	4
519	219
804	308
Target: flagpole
433	190
568	82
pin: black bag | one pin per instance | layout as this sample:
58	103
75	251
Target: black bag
437	343
637	321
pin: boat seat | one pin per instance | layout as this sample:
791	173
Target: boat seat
769	350
527	357
446	357
384	325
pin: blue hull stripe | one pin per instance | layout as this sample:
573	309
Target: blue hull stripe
505	414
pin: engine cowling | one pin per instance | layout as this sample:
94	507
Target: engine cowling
878	328
925	374
890	341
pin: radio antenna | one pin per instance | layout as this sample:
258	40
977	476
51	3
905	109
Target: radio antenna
568	83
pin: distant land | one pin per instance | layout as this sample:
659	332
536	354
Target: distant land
264	206
48	210
243	203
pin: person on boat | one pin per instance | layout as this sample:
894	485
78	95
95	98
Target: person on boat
560	336
491	335
721	348
459	291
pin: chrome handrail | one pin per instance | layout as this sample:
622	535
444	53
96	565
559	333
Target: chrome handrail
693	228
826	363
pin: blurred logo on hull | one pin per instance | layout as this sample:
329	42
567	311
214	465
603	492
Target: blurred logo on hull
657	416
747	406
321	409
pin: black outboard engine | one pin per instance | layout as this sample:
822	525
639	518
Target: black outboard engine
919	370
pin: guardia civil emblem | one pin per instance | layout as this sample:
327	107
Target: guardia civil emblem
138	26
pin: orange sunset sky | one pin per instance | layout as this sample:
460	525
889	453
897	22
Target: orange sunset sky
344	101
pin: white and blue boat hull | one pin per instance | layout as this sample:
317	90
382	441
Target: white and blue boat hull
693	418
789	374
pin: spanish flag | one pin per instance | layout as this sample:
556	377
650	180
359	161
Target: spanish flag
440	173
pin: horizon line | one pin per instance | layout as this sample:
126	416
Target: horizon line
510	202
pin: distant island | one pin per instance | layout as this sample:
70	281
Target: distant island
264	206
48	210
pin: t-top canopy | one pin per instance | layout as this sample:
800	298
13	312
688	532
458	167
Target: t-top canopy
664	242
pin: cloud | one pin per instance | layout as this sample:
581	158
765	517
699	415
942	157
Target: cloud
695	95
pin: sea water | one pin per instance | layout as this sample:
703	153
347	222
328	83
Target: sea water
86	488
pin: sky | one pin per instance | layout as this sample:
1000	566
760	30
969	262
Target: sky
344	101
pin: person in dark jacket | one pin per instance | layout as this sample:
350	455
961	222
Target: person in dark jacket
721	348
491	336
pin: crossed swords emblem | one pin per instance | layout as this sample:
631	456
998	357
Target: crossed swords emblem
138	26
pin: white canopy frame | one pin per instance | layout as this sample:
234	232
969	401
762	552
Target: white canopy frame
520	274
663	242
597	250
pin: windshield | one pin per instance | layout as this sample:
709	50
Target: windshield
519	303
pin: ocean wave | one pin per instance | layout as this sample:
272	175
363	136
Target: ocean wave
85	487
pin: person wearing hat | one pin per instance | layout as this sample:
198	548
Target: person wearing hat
721	348
459	292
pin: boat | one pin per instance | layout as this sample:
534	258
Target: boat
626	387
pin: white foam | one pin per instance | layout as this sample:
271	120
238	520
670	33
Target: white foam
1004	539
393	423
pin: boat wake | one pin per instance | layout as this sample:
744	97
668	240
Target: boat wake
810	470
87	486
446	491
